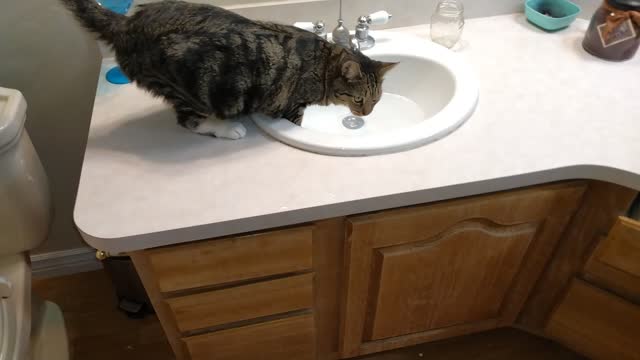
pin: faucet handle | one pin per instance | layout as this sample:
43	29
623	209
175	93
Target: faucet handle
305	25
379	18
316	27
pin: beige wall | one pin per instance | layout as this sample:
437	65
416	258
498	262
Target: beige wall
44	54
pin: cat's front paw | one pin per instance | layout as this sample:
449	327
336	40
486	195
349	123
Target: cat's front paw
231	130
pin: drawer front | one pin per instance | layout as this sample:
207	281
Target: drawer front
291	338
214	262
596	323
242	303
615	264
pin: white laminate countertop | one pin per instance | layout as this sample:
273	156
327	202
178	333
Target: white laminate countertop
548	111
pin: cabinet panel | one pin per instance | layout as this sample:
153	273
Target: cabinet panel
214	262
246	302
596	323
454	267
615	264
463	277
290	338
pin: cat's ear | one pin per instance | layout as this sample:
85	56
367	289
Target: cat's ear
351	70
385	67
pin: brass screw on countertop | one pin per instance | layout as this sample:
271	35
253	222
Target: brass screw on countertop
101	255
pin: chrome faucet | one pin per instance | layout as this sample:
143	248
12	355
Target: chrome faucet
340	35
362	40
316	27
365	40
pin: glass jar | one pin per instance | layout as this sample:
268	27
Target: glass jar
447	23
614	31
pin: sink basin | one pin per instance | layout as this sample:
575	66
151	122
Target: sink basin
427	96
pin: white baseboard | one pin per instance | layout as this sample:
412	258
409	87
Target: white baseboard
66	262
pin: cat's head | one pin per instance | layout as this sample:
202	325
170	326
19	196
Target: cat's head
358	83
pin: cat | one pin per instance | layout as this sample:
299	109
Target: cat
213	65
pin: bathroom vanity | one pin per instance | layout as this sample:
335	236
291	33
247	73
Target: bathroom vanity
367	283
254	249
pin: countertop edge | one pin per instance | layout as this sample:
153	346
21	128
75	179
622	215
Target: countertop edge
300	216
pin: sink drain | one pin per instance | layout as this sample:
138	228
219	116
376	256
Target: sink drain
353	122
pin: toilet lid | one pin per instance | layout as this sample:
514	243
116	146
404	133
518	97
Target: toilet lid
13	109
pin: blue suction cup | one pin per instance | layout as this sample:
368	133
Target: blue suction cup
116	76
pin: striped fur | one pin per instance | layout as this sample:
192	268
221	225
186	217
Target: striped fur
212	63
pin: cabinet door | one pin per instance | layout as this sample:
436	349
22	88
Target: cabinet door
429	272
615	264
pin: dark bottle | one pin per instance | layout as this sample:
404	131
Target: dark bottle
614	31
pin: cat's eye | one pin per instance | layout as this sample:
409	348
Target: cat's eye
358	100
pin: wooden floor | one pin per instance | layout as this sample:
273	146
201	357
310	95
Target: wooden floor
98	331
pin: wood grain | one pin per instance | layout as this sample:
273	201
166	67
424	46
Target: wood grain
600	208
546	208
372	347
290	338
328	255
499	344
615	264
87	299
596	323
150	282
240	303
214	262
461	276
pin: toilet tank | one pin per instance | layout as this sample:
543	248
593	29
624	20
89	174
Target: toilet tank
25	204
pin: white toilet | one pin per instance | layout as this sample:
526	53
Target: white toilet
30	329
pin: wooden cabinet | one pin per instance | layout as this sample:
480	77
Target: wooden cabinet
230	260
350	286
596	323
615	264
289	338
434	271
244	297
599	315
240	303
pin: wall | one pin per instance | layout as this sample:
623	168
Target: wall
54	63
45	54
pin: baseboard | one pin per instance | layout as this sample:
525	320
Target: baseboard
66	262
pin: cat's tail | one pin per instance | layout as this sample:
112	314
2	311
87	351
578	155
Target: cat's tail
108	25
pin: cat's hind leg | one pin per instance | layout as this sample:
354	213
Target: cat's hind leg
213	126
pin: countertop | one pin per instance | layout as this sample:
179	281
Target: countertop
548	111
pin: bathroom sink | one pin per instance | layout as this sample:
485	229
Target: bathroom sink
427	96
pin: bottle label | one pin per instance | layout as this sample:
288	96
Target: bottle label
623	32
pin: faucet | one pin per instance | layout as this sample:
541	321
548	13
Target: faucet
341	35
362	36
316	27
361	40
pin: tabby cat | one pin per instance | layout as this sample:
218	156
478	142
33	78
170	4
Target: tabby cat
214	65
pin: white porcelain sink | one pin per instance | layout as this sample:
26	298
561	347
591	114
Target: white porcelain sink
427	96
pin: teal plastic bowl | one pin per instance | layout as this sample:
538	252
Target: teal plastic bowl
551	15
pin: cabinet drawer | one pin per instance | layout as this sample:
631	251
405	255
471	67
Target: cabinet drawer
242	303
290	338
214	262
615	264
596	323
